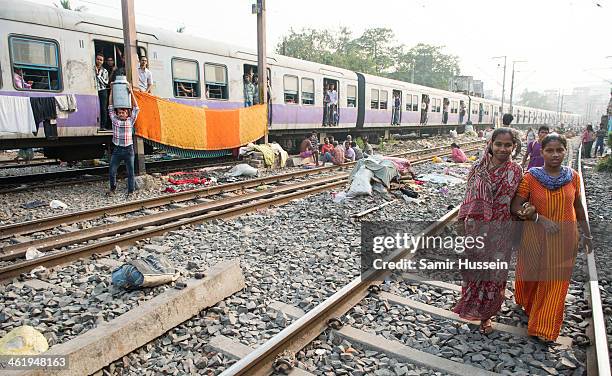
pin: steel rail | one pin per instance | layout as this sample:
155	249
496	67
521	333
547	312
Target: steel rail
308	327
164	165
62	240
602	361
176	219
244	205
70	218
100	170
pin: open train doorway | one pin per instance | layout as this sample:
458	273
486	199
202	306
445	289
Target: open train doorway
396	118
331	100
250	74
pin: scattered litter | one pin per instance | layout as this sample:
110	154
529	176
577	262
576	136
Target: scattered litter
407	191
443	191
57	204
360	184
437	160
242	169
453	133
34	204
33	253
37	270
262	187
23	340
148	272
169	190
338	197
440	179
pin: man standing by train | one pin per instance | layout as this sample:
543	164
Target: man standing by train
123	148
145	78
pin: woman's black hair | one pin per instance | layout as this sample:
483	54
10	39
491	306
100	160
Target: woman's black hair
507	119
503	130
590	127
554	137
544	128
454	145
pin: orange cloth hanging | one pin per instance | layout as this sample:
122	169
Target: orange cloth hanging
194	128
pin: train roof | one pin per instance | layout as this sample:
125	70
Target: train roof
89	23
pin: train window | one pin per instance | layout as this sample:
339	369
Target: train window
408	102
291	89
374	99
415	103
35	63
185	78
308	91
351	96
384	98
215	78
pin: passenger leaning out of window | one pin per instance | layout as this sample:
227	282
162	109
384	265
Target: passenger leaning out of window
20	82
145	77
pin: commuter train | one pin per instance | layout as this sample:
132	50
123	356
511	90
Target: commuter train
56	49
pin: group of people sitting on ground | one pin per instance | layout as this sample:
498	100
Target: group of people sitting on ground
332	151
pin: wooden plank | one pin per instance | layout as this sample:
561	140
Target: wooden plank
403	353
95	349
445	314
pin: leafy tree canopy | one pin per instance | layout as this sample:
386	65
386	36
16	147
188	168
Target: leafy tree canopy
374	52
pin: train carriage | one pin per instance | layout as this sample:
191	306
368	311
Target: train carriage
56	49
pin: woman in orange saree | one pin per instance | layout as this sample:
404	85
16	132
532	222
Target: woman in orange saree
549	197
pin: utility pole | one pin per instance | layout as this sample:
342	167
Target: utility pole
130	51
512	82
412	75
262	68
559	107
503	97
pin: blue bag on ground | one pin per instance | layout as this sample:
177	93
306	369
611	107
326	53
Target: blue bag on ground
148	272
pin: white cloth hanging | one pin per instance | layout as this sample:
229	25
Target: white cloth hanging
16	115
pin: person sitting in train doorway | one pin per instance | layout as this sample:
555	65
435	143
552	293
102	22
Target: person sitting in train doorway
249	91
19	81
397	106
145	77
101	83
461	111
326	95
123	148
424	109
333	105
445	104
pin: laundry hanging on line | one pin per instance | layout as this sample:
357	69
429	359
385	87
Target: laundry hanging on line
194	128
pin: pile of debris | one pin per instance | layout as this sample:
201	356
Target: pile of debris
270	155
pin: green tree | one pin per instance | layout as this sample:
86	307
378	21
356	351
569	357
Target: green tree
431	66
374	52
376	49
65	4
534	99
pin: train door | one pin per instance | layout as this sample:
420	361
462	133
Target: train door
114	63
396	118
331	102
424	108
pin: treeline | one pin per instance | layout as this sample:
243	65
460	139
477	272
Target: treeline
374	52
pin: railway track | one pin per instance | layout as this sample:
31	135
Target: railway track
17	183
78	243
326	322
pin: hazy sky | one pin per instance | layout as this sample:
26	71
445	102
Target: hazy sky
564	41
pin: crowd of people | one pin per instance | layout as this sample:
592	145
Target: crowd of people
333	151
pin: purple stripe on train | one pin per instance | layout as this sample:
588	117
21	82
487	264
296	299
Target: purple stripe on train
87	105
